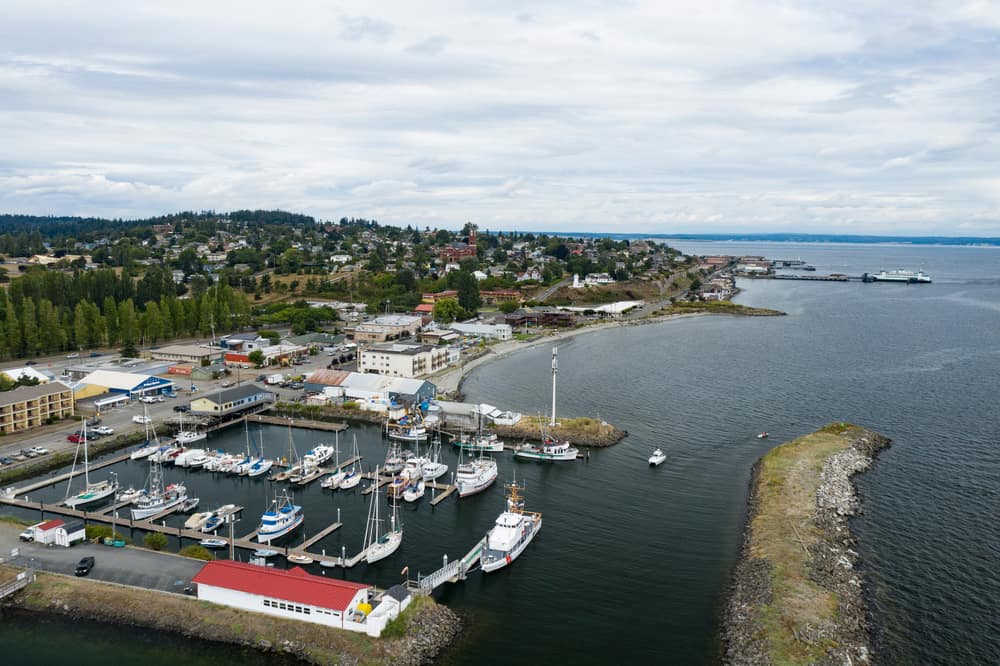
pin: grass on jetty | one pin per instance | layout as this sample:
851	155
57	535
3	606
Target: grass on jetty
582	431
716	307
782	531
171	612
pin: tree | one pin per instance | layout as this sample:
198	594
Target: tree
508	306
468	291
257	358
447	310
128	324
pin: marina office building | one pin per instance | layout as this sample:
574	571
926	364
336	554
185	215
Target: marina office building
32	406
230	401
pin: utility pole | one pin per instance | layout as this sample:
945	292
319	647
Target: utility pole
555	371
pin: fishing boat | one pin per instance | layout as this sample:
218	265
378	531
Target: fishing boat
476	475
157	497
197	520
550	450
511	533
414	490
213	543
190	504
378	544
433	468
658	457
394	460
281	518
409	428
299	559
487	442
186	437
92	492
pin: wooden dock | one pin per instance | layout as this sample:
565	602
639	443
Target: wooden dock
51	481
308	424
446	489
330	529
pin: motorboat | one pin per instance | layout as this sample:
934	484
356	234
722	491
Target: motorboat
414	490
657	457
511	533
300	559
130	495
762	435
190	504
213	543
319	455
395	487
433	468
197	520
264	552
475	476
487	442
188	457
281	518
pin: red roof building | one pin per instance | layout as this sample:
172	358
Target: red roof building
292	594
46	532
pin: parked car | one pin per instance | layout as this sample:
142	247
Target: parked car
75	437
148	399
261	378
228	383
104	430
5	461
73	355
17	457
296	385
39	450
95	421
182	408
141	420
95	354
84	566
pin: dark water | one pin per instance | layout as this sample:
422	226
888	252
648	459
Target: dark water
632	562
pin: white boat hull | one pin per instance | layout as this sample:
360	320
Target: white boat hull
433	471
350	481
385	547
91	496
268	537
492	564
143	513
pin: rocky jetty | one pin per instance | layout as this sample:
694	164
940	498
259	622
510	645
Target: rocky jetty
797	595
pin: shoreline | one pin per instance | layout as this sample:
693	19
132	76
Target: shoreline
797	595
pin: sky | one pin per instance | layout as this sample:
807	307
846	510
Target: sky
648	117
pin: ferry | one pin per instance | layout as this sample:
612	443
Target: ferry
901	275
513	531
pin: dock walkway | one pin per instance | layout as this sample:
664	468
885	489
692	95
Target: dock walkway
53	480
308	424
452	572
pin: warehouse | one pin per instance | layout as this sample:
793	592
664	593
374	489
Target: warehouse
131	384
196	354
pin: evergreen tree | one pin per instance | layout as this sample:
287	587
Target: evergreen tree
128	323
29	329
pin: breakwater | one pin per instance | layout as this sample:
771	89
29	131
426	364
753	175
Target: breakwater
579	431
797	596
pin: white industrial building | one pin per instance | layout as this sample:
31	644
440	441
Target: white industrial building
491	331
403	360
294	595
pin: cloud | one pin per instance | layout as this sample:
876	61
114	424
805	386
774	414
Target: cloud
682	117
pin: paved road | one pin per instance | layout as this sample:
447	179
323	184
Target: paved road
128	566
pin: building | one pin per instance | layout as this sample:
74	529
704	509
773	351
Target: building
45	533
438	336
317	340
402	360
188	353
525	317
491	331
229	401
385	328
292	594
280	354
68	534
438	296
495	296
26	372
131	384
32	406
369	388
459	251
244	342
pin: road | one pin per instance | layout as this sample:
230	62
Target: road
544	296
127	566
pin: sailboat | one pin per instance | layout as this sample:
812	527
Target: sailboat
352	477
260	465
379	545
333	481
294	465
185	437
152	443
92	492
157	498
476	475
511	533
434	468
281	518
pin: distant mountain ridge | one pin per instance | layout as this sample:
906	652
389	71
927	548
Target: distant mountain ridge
797	238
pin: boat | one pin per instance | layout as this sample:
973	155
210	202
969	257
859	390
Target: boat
155	497
352	476
165	453
294	464
281	518
380	545
414	490
190	504
396	486
92	492
187	457
151	445
476	475
480	442
433	468
511	533
900	275
551	449
130	495
319	454
264	552
197	520
185	437
394	460
213	543
333	481
327	564
300	559
409	428
658	457
762	435
260	467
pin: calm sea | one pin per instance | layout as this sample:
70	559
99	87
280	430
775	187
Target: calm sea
633	562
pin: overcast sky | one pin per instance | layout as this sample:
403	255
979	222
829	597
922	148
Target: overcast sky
662	117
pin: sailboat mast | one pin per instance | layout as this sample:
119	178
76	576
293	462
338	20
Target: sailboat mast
86	462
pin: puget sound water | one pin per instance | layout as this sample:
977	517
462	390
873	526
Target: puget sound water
632	563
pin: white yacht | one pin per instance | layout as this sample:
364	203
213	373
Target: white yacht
186	437
511	533
414	490
352	475
433	468
475	476
187	458
658	457
319	455
281	518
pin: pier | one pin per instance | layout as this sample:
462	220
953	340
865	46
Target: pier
308	424
452	572
51	481
446	489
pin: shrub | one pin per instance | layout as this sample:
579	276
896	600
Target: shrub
197	553
155	541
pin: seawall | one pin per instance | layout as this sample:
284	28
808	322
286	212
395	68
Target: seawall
797	596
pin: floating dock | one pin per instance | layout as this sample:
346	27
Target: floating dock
52	480
308	424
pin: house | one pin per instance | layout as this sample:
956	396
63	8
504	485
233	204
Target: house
292	594
385	328
237	399
280	354
533	273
